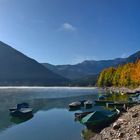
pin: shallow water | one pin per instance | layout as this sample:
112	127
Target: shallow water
51	120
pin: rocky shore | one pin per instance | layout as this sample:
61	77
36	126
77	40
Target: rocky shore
122	89
126	127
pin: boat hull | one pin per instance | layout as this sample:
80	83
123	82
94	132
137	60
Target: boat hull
103	122
120	105
88	106
79	116
102	102
18	113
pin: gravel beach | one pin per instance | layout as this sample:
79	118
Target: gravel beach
126	127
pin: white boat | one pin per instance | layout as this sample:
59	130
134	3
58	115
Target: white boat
88	104
75	104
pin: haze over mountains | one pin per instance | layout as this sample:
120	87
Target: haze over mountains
89	67
18	69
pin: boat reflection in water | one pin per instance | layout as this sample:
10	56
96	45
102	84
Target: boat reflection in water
18	120
50	109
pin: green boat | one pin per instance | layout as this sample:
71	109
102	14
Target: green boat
135	95
79	116
99	119
121	104
102	102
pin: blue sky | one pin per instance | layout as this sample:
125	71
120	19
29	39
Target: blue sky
70	31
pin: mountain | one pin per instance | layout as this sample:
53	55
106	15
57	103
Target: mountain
89	67
18	69
89	80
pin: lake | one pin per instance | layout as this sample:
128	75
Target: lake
51	120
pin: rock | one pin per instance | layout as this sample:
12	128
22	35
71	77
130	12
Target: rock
122	121
120	135
116	125
138	126
138	131
127	127
111	133
135	115
130	139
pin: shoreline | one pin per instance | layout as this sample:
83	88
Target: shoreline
41	87
126	127
122	89
110	89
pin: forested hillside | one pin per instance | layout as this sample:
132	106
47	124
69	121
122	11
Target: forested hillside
127	75
89	67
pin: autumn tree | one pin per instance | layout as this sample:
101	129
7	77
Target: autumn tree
136	73
126	75
100	82
117	76
109	74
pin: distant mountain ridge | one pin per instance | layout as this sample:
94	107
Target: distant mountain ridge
89	67
18	69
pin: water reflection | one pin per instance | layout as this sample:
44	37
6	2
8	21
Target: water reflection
18	120
50	110
39	100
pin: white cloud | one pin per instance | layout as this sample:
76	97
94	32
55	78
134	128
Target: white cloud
67	27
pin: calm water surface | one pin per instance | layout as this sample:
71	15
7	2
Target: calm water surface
51	120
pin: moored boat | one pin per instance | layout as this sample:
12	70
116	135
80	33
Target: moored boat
19	106
75	105
135	96
104	96
102	102
88	104
100	118
79	104
121	104
79	116
22	112
82	102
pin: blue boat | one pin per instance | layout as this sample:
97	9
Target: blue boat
102	102
19	106
103	97
21	110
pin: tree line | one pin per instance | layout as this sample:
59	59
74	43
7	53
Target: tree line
127	75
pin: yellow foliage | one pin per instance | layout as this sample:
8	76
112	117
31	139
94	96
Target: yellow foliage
126	75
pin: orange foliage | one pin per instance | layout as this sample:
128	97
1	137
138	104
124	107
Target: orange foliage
136	73
126	75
